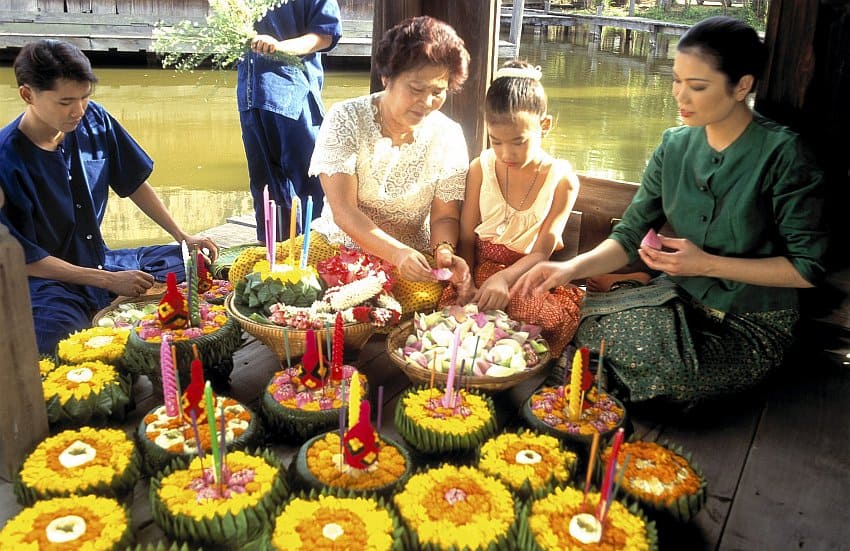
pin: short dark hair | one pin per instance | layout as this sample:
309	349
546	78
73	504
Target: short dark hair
40	64
421	41
729	45
509	95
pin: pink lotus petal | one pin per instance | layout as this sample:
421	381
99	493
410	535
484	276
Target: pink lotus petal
651	241
442	274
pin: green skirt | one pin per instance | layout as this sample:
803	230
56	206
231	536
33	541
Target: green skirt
660	343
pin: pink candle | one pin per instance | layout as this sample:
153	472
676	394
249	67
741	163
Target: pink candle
169	380
271	232
609	472
449	399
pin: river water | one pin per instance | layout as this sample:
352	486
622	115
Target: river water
610	98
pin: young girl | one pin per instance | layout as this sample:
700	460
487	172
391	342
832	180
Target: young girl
517	202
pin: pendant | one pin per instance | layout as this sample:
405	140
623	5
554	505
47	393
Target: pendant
500	229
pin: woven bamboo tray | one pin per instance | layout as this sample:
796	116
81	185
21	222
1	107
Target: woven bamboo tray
420	375
139	302
356	334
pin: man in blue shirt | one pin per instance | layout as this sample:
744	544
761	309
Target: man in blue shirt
280	106
58	161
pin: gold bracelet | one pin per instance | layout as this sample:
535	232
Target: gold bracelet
443	244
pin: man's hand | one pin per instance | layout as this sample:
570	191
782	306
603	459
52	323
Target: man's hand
129	283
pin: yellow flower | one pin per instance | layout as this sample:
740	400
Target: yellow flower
180	499
324	462
519	458
333	522
45	366
105	344
110	456
549	520
79	381
416	407
285	273
106	524
655	474
456	507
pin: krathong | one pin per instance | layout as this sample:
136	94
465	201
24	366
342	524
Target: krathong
80	522
326	521
325	463
601	413
452	507
76	394
78	462
97	343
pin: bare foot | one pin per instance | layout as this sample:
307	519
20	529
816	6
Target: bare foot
602	283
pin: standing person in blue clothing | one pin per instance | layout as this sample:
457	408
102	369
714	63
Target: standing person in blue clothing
58	161
280	105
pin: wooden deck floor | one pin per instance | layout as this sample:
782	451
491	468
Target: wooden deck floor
776	459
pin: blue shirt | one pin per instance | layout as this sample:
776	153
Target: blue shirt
760	197
55	200
266	84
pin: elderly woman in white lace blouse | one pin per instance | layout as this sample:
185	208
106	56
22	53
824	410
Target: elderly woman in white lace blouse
393	167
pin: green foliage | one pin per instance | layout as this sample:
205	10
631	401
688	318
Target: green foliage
680	13
224	39
259	294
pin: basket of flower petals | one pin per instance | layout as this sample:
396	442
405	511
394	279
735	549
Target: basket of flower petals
278	304
491	351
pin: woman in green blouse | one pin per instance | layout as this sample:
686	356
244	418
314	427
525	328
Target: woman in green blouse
744	203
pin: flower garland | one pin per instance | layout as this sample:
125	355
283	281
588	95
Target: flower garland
325	463
470	414
79	381
184	492
527	459
333	522
289	395
601	413
349	265
456	507
213	318
549	523
215	294
105	344
655	474
83	522
176	436
76	462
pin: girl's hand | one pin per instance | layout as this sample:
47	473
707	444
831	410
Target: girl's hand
413	266
465	292
264	44
541	278
682	258
494	294
129	283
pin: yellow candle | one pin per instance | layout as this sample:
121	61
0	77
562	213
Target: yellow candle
575	388
355	395
293	228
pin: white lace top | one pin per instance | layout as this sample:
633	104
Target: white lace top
395	184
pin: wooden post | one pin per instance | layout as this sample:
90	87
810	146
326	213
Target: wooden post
631	8
478	24
22	408
515	35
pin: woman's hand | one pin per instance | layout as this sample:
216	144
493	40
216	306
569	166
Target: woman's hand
682	258
129	283
494	294
444	258
541	278
264	44
413	266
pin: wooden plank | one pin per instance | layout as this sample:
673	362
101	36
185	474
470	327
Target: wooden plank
22	408
795	481
600	202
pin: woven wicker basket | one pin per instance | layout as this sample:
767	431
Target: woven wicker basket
420	375
356	334
138	302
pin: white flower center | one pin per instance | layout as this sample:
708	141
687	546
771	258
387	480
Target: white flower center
332	531
80	375
78	453
585	528
99	341
528	457
65	529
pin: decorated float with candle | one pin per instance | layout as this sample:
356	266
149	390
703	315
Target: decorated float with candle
79	522
578	407
356	459
180	426
79	462
88	392
322	521
196	328
450	507
304	399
